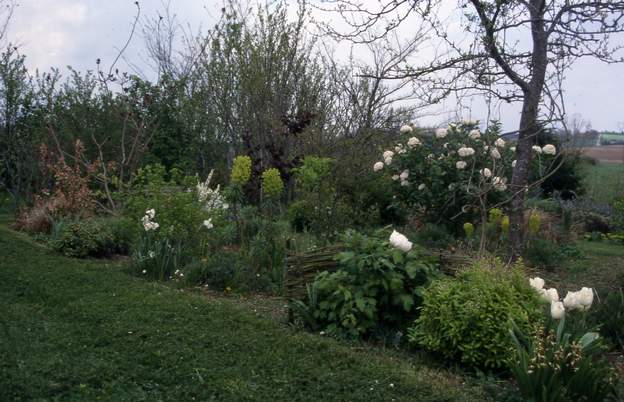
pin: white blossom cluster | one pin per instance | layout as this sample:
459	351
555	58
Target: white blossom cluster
398	240
147	220
580	300
548	149
212	198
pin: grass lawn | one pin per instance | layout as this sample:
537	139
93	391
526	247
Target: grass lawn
85	330
604	182
601	267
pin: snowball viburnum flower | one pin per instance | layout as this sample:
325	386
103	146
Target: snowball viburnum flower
500	183
395	177
500	143
422	187
388	161
474	134
549	149
413	142
465	151
406	128
536	148
398	240
513	163
486	172
404	175
441	132
378	166
495	154
461	165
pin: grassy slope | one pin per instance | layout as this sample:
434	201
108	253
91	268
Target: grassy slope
76	330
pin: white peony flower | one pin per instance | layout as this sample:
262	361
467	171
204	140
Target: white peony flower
422	187
536	148
404	175
549	149
208	224
461	165
537	283
378	166
495	154
500	143
441	132
474	134
557	311
486	172
413	142
398	240
406	128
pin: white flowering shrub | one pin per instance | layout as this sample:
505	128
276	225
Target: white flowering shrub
176	220
454	174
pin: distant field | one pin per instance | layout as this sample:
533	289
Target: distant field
606	154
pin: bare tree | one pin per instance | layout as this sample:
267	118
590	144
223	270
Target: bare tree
514	50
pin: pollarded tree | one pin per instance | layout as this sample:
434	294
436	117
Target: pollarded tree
512	50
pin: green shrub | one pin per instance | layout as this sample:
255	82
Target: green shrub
88	238
467	318
548	254
377	286
158	257
436	236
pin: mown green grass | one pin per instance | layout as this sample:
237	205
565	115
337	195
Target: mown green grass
85	330
604	182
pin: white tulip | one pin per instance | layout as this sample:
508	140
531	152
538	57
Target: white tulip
550	295
557	311
571	301
537	283
585	298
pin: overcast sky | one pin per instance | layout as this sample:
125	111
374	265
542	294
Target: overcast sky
57	33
